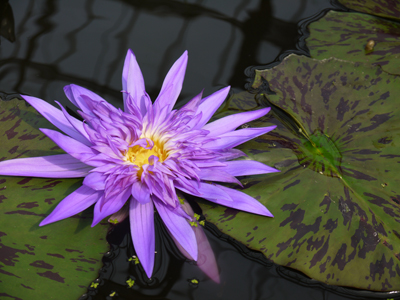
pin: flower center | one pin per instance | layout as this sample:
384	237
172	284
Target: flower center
140	156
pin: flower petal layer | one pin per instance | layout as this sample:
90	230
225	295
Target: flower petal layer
237	137
74	203
55	117
242	201
142	230
206	190
246	167
133	85
69	145
107	206
179	228
232	122
209	106
172	84
141	192
77	124
76	94
54	166
95	181
206	259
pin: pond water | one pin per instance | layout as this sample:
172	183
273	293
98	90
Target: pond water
55	43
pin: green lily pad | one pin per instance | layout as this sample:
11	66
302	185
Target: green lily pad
57	261
336	200
382	8
356	37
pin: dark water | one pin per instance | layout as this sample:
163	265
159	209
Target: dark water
48	44
85	42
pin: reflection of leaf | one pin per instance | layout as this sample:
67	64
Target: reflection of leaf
336	200
49	261
7	21
345	36
382	8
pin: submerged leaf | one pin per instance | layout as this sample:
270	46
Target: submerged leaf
336	200
41	262
356	37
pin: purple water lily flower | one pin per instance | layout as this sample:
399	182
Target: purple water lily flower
142	154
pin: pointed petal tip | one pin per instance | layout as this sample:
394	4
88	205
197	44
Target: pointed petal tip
44	130
141	218
67	88
266	213
43	223
183	59
129	55
29	98
196	254
225	89
266	110
95	221
148	271
47	221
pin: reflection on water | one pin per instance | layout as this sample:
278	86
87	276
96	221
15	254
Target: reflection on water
6	21
84	42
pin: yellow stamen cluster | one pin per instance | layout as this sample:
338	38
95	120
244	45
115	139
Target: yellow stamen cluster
140	156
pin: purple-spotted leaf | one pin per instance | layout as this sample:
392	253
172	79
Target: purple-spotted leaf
336	201
356	37
56	261
382	8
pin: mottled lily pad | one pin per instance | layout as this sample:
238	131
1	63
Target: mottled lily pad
356	37
56	261
336	200
382	8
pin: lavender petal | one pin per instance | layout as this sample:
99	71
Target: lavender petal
74	203
95	181
235	138
246	167
55	117
105	207
179	228
72	147
141	192
209	106
232	122
75	94
141	218
206	191
242	201
54	166
174	81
